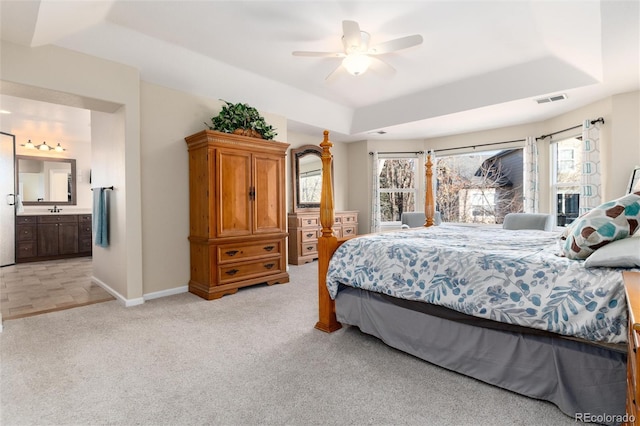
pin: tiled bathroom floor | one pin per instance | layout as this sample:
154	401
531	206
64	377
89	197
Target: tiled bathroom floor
38	287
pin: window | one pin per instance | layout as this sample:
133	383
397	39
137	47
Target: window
480	187
398	187
566	160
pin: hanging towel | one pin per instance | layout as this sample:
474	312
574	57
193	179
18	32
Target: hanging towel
100	217
19	205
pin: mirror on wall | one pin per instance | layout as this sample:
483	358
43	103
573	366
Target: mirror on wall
45	180
306	171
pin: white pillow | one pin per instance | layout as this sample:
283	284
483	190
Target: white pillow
624	253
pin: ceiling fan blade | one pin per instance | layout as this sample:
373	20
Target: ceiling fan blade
351	35
319	54
396	44
381	67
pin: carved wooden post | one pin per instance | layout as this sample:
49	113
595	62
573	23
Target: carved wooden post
429	205
327	243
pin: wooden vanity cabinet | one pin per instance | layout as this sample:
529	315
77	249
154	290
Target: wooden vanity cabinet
46	237
57	235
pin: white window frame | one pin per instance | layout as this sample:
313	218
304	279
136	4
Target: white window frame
418	190
555	185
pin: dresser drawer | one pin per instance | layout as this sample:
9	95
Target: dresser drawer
26	249
308	248
84	230
308	221
84	245
235	252
25	233
349	218
26	219
237	272
349	230
84	218
308	235
58	218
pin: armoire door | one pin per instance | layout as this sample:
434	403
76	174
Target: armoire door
268	206
233	186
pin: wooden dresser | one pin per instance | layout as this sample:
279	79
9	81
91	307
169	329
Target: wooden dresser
304	230
237	214
632	290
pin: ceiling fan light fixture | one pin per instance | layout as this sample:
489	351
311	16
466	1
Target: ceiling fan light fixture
356	63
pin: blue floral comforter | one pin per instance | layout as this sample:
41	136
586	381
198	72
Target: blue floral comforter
507	276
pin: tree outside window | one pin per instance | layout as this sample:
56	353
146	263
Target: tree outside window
397	181
481	187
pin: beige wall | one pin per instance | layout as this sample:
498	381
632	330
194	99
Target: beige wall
108	159
620	145
61	76
141	151
167	117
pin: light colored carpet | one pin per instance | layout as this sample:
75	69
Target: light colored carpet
249	358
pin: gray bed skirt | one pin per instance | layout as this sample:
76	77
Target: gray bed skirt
578	377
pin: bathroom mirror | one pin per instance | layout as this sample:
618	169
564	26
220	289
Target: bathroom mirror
46	181
306	170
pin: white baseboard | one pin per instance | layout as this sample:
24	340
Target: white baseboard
126	302
165	293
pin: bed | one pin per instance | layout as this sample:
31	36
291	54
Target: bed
525	320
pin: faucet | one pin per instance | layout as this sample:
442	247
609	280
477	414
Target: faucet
55	209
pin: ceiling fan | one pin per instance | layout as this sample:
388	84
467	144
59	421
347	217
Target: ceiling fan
358	56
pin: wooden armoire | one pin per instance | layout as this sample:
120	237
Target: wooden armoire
237	219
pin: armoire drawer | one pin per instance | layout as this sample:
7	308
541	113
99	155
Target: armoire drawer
235	252
229	273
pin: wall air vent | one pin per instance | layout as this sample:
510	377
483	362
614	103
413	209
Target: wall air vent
552	98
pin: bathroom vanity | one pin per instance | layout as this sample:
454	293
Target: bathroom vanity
52	236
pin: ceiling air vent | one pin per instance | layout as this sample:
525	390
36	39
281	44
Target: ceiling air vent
552	98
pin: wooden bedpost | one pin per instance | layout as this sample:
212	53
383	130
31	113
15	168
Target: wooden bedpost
429	205
327	243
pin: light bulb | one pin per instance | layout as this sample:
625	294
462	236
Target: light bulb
356	63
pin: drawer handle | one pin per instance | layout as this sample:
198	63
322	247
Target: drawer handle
269	265
269	248
232	272
309	235
348	231
309	248
231	252
308	221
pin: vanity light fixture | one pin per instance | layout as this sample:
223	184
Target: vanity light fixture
29	145
43	146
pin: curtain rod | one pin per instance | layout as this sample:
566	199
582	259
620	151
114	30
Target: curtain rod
398	152
597	120
482	144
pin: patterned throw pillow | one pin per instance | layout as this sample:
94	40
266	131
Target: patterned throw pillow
608	222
